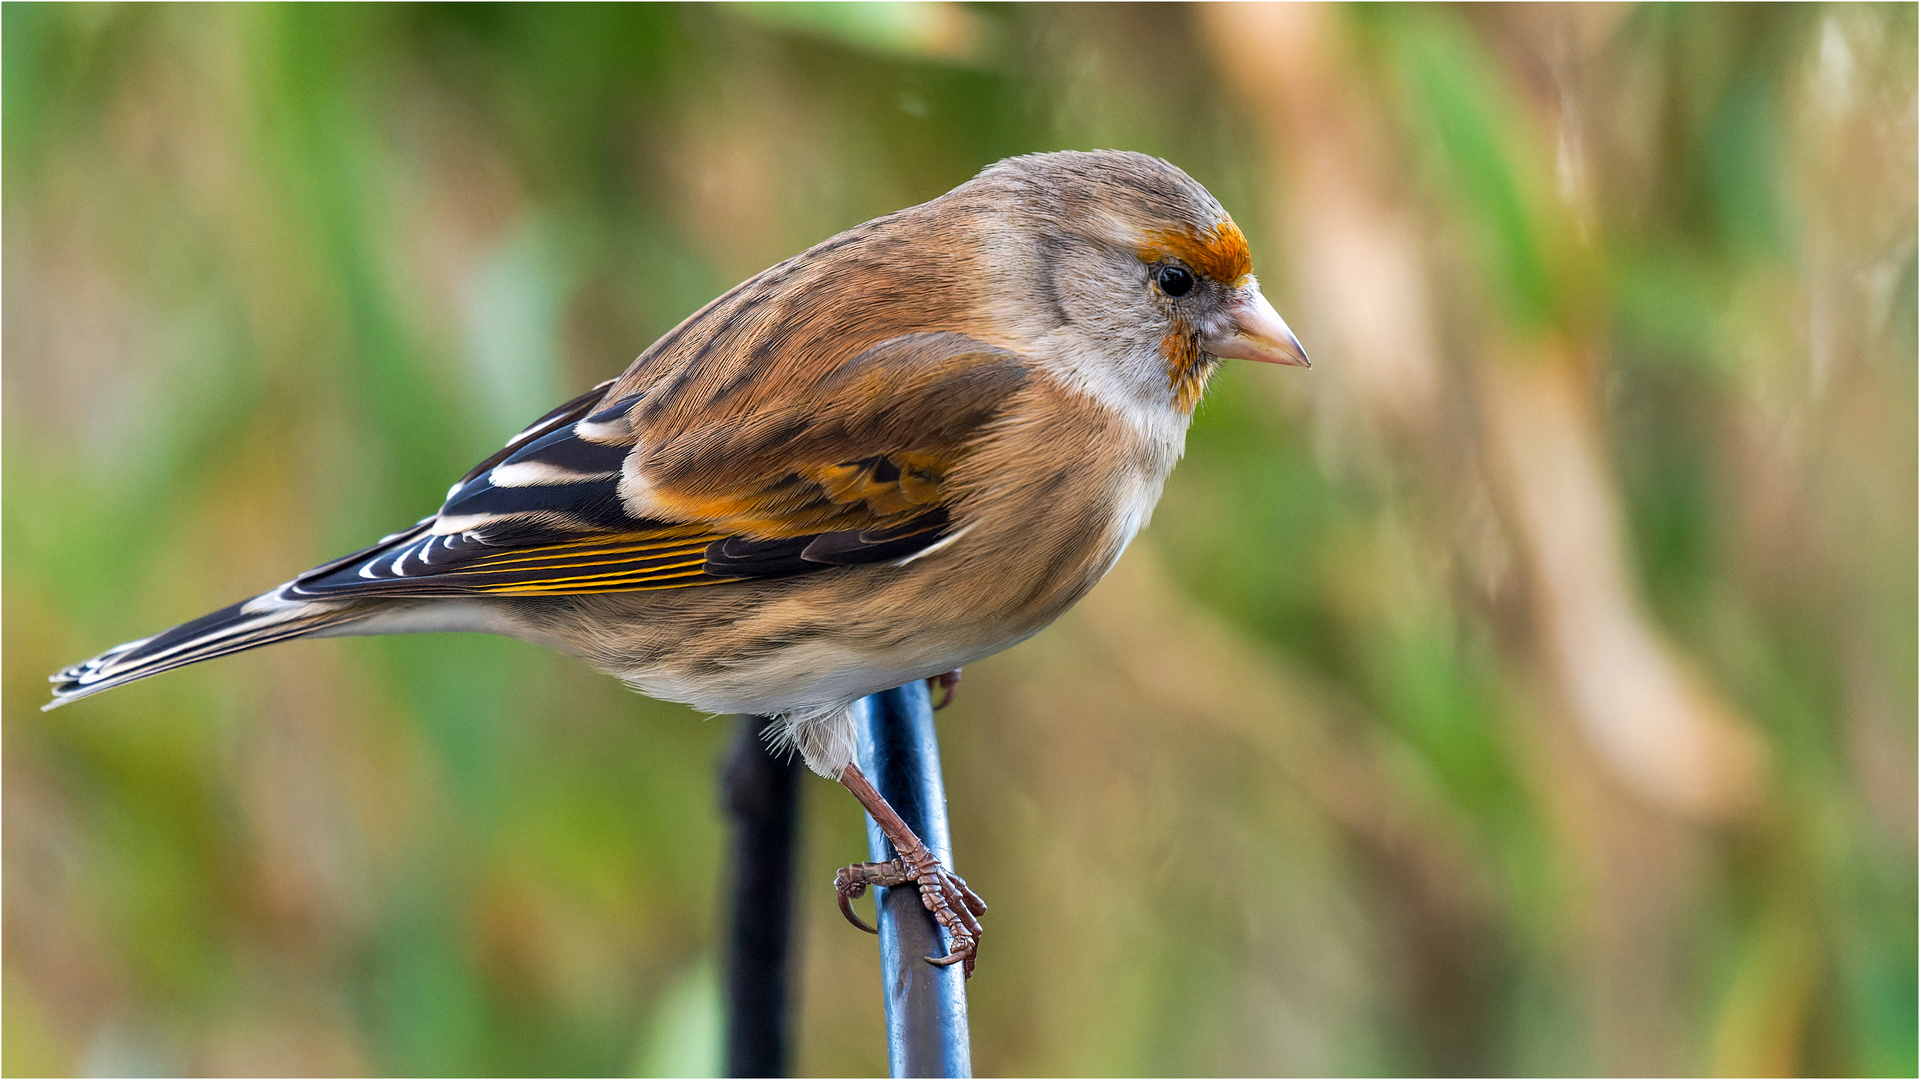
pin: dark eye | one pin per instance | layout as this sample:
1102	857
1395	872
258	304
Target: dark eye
1174	280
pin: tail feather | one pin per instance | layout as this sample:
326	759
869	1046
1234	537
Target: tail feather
249	624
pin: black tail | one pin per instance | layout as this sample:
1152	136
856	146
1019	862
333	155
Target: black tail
249	624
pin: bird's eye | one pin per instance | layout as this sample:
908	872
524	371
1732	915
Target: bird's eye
1174	280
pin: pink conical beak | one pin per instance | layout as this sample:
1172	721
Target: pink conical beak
1257	333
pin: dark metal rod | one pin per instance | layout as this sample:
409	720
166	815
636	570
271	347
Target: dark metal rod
761	797
926	1005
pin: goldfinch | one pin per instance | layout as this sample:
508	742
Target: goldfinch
909	447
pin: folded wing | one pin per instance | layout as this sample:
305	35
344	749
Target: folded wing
612	496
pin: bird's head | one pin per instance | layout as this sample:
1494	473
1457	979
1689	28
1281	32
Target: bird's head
1122	271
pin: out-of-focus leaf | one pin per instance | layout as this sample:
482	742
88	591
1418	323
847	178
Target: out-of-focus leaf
913	29
1453	88
683	1036
512	309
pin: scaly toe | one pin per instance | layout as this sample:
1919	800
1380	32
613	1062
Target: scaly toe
851	883
954	907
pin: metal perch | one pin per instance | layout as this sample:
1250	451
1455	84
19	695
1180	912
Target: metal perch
761	794
926	1005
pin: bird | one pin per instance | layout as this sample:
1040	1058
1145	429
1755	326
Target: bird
909	447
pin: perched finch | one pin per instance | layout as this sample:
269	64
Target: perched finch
907	448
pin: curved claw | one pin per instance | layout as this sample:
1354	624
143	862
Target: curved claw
851	883
946	961
947	684
846	908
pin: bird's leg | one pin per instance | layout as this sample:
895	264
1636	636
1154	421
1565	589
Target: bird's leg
942	892
946	684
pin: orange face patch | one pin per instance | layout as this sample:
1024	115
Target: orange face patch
1221	254
1187	367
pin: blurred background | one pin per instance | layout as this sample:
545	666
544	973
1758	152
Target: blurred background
1529	688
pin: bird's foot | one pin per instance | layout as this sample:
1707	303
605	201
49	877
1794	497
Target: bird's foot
942	892
947	684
